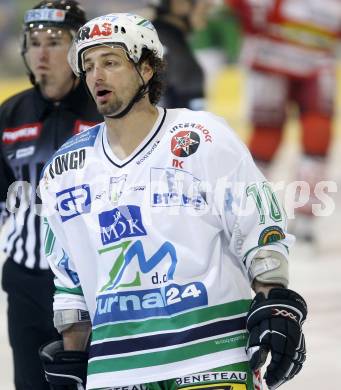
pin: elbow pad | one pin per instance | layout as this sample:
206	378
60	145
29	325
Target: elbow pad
64	319
269	267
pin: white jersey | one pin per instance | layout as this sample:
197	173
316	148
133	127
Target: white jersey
157	247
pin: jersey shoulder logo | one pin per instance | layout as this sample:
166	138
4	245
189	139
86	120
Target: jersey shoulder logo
72	154
84	139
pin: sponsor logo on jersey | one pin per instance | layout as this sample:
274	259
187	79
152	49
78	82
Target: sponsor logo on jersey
175	187
157	302
216	377
137	188
100	195
177	163
85	139
81	126
130	266
64	162
239	238
131	387
116	186
217	386
129	250
27	132
185	143
64	264
197	126
147	154
271	234
121	222
73	202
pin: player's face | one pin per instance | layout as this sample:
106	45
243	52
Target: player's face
111	78
47	59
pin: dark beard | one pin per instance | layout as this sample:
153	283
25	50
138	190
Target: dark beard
117	106
112	108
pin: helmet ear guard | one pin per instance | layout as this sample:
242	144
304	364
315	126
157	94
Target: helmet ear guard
130	32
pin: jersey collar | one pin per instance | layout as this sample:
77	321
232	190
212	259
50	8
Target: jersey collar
149	138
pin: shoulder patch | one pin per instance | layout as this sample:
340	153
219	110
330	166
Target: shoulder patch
270	235
82	140
71	155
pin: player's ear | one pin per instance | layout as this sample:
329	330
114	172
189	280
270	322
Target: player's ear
146	71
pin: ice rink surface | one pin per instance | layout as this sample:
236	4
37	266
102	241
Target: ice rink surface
315	273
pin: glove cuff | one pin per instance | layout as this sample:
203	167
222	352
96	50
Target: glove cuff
63	368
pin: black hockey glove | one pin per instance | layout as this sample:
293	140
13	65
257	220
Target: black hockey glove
64	370
275	325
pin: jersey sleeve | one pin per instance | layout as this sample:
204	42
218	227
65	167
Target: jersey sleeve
251	213
68	292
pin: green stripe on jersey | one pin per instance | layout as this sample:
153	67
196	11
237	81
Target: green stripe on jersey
49	239
158	358
171	384
64	290
179	321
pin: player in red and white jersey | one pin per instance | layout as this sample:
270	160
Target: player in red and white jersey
289	49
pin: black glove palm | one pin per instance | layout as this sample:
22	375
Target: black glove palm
275	325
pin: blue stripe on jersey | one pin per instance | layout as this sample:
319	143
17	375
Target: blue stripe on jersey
78	141
167	339
84	139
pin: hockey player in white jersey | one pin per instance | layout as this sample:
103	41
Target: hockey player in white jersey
159	225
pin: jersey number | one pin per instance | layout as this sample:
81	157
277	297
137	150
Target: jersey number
275	212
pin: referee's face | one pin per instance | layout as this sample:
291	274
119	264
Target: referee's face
47	59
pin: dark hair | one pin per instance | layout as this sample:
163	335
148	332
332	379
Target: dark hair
156	84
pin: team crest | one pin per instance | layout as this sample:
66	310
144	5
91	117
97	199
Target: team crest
271	234
185	143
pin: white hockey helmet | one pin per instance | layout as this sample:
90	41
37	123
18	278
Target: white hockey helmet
127	31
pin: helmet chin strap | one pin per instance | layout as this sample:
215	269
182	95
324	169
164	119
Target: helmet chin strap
143	90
